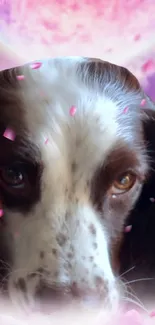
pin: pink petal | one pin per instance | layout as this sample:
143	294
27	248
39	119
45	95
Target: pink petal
143	102
148	65
125	110
152	314
152	199
46	141
21	77
9	134
35	65
128	228
1	213
137	37
72	110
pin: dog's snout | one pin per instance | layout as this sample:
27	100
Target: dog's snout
62	295
59	293
77	266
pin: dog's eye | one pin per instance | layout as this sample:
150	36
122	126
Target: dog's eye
19	183
13	176
123	183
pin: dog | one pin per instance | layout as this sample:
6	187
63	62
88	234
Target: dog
70	178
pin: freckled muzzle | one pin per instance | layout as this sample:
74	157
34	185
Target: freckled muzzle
53	298
80	279
73	263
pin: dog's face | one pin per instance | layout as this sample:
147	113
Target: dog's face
68	183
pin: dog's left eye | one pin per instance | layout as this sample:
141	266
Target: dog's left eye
13	176
123	183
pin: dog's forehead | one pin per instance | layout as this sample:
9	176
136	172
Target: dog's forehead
97	92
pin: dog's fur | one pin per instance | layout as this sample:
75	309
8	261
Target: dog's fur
64	229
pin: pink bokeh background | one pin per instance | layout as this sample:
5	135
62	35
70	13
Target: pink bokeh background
121	31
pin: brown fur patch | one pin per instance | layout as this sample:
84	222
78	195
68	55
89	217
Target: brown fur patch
103	72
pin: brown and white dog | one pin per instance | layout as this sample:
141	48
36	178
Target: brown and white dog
68	183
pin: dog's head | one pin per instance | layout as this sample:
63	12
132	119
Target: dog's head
70	177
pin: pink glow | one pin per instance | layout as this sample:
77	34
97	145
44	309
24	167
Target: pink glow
118	31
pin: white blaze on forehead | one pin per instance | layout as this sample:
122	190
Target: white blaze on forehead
94	127
95	132
52	90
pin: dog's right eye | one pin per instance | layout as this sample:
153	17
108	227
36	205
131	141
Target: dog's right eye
20	183
13	176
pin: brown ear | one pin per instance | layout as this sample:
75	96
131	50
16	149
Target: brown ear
10	101
138	247
148	120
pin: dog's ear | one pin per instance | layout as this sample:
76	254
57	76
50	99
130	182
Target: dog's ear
10	101
138	249
148	120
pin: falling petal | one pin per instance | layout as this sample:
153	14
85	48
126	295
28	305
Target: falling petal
46	141
9	134
21	77
72	110
143	102
152	199
125	110
35	65
128	228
